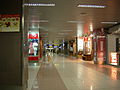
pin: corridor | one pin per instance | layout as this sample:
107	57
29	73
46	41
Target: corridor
71	74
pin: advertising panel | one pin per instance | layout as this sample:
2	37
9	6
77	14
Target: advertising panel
101	49
9	23
33	39
80	44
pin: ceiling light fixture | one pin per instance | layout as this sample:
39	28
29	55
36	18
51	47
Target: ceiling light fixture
41	21
39	4
92	6
75	21
109	22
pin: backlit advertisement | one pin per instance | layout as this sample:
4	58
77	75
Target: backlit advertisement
80	44
33	39
101	49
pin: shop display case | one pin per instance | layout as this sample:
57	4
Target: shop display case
114	58
87	49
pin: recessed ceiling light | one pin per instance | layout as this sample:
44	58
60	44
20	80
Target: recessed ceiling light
75	21
92	6
39	4
109	22
35	21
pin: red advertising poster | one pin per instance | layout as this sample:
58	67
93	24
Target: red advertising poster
101	49
33	39
33	36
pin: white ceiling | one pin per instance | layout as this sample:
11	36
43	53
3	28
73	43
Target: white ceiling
66	10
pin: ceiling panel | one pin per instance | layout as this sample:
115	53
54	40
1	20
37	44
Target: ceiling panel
67	10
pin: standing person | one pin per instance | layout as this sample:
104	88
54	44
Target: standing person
31	49
35	46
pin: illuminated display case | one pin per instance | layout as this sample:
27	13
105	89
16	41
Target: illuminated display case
87	45
114	58
80	44
87	50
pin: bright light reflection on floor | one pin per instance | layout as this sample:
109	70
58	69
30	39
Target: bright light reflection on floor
114	73
35	64
91	87
56	64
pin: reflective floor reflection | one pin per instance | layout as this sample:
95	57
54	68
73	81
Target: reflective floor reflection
76	74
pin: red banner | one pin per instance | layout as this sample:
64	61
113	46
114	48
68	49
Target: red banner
33	36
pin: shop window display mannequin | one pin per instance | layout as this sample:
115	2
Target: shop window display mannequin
31	49
35	47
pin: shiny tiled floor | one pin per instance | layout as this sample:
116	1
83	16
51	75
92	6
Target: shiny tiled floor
76	75
32	73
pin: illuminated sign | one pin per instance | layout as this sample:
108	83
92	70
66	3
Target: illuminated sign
85	39
80	44
113	58
33	38
33	35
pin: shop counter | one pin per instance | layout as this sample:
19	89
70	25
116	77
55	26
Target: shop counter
87	57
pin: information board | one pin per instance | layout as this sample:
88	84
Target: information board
10	23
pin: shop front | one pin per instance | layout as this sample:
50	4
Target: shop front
113	44
113	50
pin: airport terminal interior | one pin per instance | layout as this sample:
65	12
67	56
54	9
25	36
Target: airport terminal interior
60	45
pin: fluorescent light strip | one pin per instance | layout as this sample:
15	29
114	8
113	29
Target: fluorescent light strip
39	4
75	21
92	6
109	22
40	21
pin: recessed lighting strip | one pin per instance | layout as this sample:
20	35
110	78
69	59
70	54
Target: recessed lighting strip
109	22
75	21
92	6
39	21
39	4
